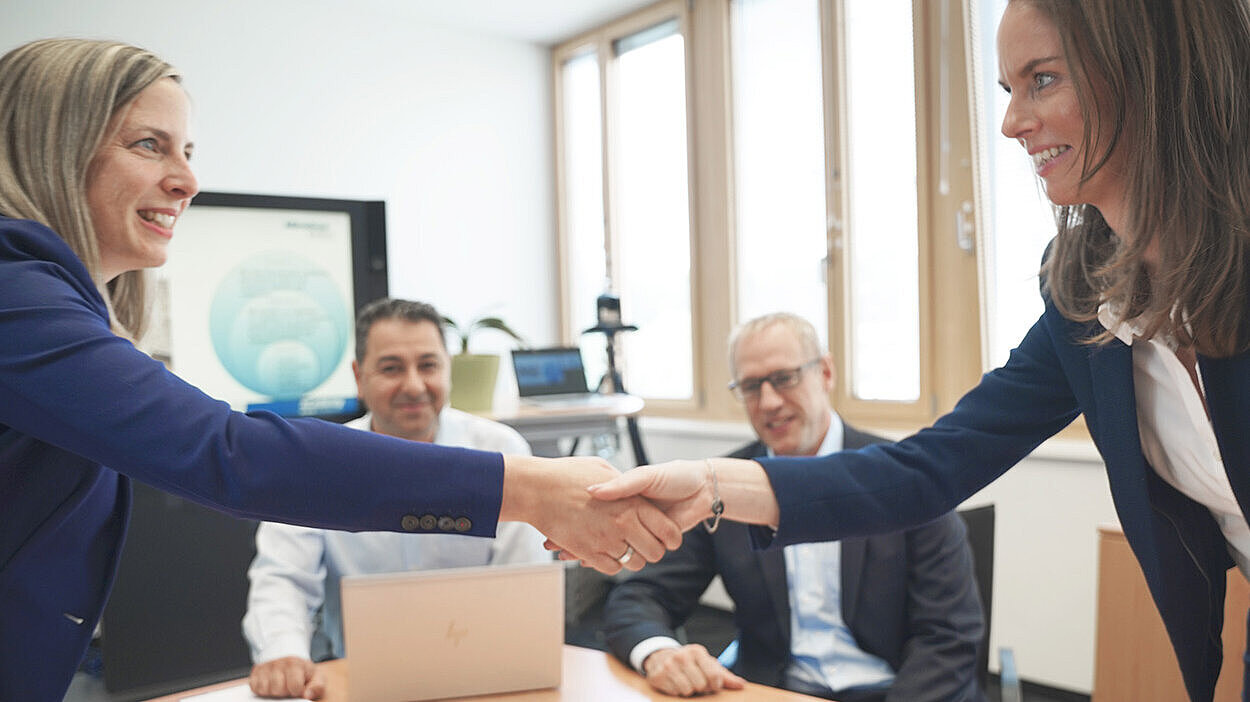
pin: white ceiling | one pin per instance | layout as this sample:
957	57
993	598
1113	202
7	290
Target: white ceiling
544	22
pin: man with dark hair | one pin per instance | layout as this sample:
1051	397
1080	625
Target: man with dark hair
403	377
893	617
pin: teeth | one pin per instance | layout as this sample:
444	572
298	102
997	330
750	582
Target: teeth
1041	157
164	220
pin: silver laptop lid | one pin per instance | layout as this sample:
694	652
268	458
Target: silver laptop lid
449	633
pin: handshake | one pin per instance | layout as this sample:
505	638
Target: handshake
609	520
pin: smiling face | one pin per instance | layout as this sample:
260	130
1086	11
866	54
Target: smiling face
140	181
404	378
793	421
1044	113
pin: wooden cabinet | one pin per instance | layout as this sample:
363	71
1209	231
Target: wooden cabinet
1133	658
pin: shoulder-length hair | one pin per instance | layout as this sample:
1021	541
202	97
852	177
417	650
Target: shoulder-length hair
1171	79
57	98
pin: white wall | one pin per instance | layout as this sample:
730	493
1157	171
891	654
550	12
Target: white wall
322	98
1047	512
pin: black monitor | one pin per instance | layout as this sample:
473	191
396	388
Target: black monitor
257	302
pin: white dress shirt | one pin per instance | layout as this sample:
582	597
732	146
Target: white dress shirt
1176	434
297	569
824	649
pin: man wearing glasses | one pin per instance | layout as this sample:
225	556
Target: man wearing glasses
893	617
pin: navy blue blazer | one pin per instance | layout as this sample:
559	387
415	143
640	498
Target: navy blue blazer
75	398
1049	379
909	597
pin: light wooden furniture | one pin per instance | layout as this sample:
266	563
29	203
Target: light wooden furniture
1133	658
588	675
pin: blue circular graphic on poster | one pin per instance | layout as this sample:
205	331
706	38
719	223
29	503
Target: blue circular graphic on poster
278	324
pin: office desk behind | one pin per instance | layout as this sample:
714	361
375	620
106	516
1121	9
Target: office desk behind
588	675
544	426
1133	660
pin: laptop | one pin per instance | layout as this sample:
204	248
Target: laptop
453	632
554	377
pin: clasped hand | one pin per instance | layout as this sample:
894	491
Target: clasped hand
607	535
592	513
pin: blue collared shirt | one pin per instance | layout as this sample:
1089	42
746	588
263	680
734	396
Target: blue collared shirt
824	649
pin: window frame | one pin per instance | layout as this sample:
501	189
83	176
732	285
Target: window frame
951	285
950	301
601	42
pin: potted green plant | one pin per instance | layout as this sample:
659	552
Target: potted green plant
473	375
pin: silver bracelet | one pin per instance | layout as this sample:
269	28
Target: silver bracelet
718	507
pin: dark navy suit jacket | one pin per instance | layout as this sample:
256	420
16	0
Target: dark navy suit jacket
75	398
908	597
1049	379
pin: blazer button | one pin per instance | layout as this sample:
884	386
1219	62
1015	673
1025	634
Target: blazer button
410	522
464	524
446	524
428	522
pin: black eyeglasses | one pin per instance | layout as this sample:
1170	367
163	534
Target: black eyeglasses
749	388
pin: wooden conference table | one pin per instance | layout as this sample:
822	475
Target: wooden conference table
588	675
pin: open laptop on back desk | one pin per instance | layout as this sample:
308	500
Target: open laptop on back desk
554	378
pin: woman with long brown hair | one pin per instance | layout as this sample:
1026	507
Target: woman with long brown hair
1136	114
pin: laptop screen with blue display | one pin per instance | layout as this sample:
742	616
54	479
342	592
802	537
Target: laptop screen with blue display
553	371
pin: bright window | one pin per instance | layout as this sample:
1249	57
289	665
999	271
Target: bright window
651	212
585	264
761	155
779	159
882	204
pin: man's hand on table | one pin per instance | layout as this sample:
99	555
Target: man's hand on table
689	670
287	677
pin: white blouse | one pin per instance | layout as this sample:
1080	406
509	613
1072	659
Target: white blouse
1176	434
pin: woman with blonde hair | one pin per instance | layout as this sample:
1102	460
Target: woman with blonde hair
94	173
1136	115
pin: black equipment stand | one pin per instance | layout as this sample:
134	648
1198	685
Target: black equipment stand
614	375
609	311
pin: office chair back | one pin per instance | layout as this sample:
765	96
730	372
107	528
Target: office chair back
980	524
172	621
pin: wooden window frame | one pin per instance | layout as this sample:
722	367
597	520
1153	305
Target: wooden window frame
950	285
